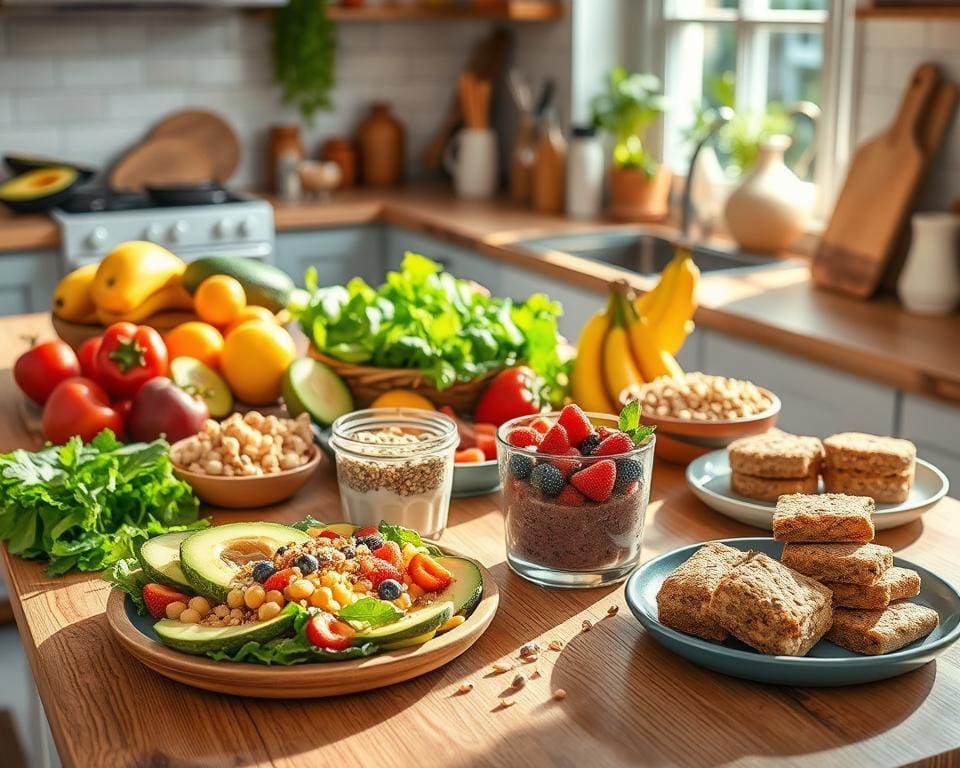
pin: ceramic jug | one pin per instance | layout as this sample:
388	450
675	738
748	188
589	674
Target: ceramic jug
930	281
471	158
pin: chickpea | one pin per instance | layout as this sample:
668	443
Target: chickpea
174	609
190	616
275	596
229	471
231	446
268	611
200	604
254	597
342	594
236	613
289	461
270	463
254	419
221	611
235	598
300	589
213	467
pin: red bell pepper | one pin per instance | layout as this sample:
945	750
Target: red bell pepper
129	356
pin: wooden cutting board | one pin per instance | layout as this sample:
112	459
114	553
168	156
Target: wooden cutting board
208	131
876	198
161	161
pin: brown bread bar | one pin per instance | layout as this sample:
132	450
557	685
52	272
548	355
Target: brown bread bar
769	488
872	454
823	517
849	563
884	489
895	584
776	454
878	632
684	596
772	608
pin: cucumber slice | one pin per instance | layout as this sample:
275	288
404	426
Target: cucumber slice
311	387
200	380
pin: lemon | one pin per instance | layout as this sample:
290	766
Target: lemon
402	398
255	357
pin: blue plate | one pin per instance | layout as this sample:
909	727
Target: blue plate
826	664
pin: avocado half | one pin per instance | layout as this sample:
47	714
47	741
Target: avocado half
200	639
21	162
39	190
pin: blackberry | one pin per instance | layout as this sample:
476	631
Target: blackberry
589	444
348	551
281	551
548	479
263	571
373	541
306	564
520	466
389	589
628	471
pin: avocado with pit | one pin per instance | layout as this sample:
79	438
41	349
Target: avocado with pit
160	559
200	639
211	558
38	190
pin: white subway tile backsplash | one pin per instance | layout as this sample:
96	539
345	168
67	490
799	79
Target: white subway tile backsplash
37	36
169	70
875	70
40	140
147	104
205	34
121	36
100	143
58	106
235	69
6	109
26	72
944	34
894	34
114	70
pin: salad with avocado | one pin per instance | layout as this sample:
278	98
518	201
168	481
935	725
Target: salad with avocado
277	594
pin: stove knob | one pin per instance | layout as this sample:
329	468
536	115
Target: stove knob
223	228
178	230
96	238
247	226
153	233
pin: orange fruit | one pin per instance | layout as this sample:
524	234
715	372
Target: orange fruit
195	339
255	357
402	398
219	299
248	313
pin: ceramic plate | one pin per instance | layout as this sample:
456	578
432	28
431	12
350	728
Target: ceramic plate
709	478
826	664
476	479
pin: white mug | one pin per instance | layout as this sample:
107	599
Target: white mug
471	158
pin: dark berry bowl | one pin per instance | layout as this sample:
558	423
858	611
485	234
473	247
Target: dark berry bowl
574	497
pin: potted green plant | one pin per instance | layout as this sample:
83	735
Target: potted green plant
639	186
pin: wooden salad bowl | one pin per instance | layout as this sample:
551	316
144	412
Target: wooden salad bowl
302	681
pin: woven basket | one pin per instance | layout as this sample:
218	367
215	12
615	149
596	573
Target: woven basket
366	383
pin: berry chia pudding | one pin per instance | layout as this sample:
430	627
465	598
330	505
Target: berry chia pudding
575	492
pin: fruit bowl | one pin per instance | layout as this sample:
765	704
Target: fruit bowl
77	333
248	492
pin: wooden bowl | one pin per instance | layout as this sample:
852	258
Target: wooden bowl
77	333
248	492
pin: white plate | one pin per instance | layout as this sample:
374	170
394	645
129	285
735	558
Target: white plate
709	478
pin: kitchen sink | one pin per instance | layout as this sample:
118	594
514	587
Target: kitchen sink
638	251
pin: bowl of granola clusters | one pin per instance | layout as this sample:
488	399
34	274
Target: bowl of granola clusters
699	413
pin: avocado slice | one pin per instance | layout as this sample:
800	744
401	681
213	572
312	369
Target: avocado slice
410	641
198	639
311	387
38	190
160	560
211	558
467	584
415	623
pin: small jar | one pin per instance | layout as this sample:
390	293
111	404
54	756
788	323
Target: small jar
395	464
340	150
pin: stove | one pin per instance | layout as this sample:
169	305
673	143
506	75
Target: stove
232	225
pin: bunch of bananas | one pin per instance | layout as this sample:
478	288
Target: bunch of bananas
634	340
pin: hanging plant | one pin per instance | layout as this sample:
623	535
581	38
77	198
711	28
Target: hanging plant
304	54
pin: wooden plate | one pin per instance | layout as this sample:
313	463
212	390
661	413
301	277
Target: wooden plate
303	681
208	131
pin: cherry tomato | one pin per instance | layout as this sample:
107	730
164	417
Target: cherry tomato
39	369
327	631
428	574
513	392
129	357
87	355
79	406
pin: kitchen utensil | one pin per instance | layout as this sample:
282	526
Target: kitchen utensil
208	131
549	165
826	664
876	197
161	161
522	153
382	150
207	193
709	478
471	159
930	281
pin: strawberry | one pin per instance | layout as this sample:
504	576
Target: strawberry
596	481
325	630
158	596
618	442
541	424
555	441
522	437
376	570
605	432
575	421
280	580
362	533
428	574
469	456
570	497
326	533
487	444
568	466
390	552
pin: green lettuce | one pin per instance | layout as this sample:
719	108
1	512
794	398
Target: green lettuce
128	576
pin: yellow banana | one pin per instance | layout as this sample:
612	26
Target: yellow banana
652	359
620	371
675	322
656	308
71	298
586	379
172	296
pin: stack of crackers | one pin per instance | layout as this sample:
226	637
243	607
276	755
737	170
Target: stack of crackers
882	468
769	465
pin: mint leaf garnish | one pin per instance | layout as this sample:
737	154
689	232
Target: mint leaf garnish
371	611
629	424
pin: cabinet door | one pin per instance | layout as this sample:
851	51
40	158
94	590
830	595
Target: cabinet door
816	400
935	428
338	254
461	262
27	281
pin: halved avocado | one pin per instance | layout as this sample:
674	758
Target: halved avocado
211	558
198	639
38	190
160	560
415	623
21	162
467	584
410	641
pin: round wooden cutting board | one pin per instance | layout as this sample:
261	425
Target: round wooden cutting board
160	161
303	681
210	132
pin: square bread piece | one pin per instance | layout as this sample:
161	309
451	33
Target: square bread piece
770	488
823	517
878	632
684	597
849	563
895	584
772	608
871	454
884	489
776	454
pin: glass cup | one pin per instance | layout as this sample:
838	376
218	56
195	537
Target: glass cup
395	464
560	540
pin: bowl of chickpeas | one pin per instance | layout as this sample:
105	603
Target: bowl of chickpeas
247	460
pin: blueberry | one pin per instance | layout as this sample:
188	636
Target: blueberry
628	471
548	479
589	444
306	564
389	589
520	466
348	551
263	570
372	542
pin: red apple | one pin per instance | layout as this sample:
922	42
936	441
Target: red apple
160	407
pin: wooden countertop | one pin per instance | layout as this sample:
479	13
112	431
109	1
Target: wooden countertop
779	308
630	701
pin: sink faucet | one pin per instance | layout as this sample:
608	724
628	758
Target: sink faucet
724	116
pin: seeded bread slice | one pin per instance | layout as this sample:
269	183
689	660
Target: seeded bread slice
776	454
878	632
770	489
849	563
871	454
885	489
895	584
823	517
772	608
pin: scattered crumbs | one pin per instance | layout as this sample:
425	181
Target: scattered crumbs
613	610
519	681
556	645
535	674
465	688
504	704
587	625
559	694
530	651
500	667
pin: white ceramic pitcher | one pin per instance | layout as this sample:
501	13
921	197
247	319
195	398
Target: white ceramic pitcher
930	281
471	158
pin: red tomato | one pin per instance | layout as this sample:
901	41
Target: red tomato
513	392
39	369
327	631
88	356
129	357
78	406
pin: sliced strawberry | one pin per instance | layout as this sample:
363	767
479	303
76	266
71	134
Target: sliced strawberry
376	570
326	533
390	553
575	421
469	456
158	596
555	441
541	424
570	497
522	437
618	442
325	630
280	580
487	444
362	533
428	574
596	481
605	432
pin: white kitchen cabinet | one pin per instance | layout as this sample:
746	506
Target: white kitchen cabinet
935	428
816	400
337	253
27	281
459	261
